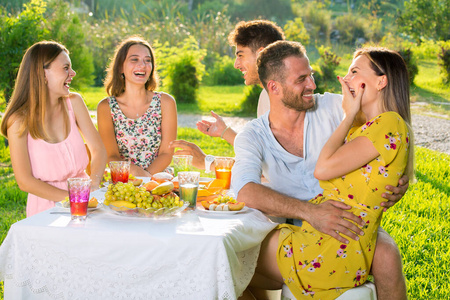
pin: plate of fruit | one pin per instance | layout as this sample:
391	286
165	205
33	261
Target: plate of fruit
223	204
152	199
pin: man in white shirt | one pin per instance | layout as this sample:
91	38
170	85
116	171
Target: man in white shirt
283	190
283	145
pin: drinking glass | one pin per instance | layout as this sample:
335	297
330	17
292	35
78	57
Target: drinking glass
79	192
188	182
181	163
120	171
223	169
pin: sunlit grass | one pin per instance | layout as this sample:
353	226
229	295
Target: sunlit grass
420	225
224	100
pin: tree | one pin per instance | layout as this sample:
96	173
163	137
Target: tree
17	34
295	31
426	19
66	28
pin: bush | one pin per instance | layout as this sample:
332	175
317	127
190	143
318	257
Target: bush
295	31
251	97
183	82
351	29
328	63
17	34
321	85
223	72
180	68
316	18
66	28
427	49
411	63
444	62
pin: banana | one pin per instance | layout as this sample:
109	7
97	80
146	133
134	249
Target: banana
122	203
163	188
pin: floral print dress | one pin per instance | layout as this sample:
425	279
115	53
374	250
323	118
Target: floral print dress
138	139
315	265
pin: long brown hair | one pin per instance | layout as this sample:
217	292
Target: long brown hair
29	100
114	83
395	95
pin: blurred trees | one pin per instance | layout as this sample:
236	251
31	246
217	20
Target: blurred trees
41	20
426	19
17	34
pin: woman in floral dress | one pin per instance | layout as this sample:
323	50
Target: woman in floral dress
353	167
137	123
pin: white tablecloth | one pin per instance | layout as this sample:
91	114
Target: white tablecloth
118	257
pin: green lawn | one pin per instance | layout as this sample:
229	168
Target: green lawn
226	99
419	223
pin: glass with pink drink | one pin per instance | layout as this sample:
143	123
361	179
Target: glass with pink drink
79	192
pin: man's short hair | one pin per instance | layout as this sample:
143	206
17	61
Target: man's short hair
271	60
255	34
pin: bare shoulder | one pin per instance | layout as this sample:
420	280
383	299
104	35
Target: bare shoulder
14	122
166	99
103	104
76	99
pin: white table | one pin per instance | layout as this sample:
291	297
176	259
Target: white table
47	256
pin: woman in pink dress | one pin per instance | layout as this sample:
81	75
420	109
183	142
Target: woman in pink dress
43	122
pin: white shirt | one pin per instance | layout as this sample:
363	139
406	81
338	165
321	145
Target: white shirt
259	153
263	103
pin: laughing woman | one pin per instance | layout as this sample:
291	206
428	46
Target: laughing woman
354	166
135	122
43	122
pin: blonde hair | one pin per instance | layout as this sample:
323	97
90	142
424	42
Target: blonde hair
114	82
395	94
29	100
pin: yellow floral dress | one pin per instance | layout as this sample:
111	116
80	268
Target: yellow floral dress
315	265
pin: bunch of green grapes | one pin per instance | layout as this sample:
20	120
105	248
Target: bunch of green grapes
139	196
226	199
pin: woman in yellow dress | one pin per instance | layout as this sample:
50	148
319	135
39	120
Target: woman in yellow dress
353	167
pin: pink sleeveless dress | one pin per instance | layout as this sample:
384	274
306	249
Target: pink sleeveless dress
55	163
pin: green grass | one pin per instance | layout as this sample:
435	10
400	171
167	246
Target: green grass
225	99
420	224
429	88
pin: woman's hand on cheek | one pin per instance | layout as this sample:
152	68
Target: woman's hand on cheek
351	105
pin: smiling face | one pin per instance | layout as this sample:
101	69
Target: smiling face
359	72
137	66
298	86
246	63
59	76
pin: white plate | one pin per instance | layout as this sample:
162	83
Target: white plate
202	179
99	205
99	195
222	212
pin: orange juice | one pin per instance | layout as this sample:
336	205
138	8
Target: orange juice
224	174
223	169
